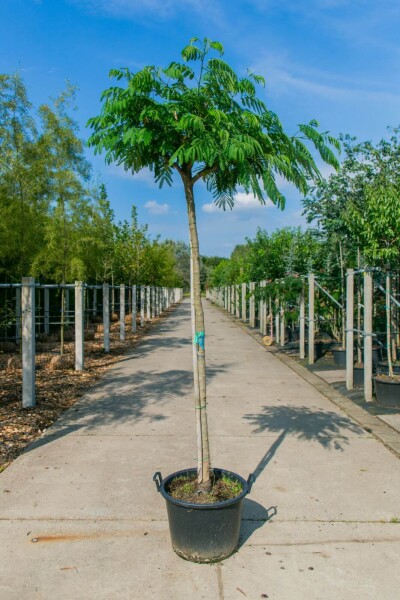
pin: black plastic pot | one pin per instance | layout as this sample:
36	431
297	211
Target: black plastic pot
339	357
358	375
376	355
204	533
387	392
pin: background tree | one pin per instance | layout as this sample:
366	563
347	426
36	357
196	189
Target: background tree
97	237
23	179
204	123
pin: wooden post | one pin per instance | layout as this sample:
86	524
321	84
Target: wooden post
311	318
277	322
271	319
350	329
260	309
237	301
302	324
122	312
263	328
252	307
368	337
155	299
129	299
106	317
134	308
28	342
79	336
148	313
283	324
142	305
388	327
244	311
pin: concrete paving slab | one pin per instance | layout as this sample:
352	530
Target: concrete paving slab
334	563
313	482
392	420
82	476
88	560
332	375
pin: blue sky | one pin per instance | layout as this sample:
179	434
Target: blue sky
336	61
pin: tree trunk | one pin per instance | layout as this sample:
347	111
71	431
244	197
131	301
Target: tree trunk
388	322
342	284
199	342
195	369
62	320
359	350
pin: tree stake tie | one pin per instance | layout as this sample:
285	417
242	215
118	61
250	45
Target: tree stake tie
199	339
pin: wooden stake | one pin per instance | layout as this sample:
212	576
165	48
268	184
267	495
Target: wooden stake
368	337
349	329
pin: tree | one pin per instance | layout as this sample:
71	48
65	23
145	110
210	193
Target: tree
96	244
376	223
23	180
182	262
68	171
204	123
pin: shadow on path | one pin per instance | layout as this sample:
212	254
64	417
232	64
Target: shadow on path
325	427
254	517
127	399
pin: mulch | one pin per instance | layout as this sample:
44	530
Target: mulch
56	390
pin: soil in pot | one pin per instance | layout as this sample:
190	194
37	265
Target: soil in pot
383	368
185	488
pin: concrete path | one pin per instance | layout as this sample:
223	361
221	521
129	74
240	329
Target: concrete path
80	518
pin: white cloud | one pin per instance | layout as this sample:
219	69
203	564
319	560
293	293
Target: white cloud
155	208
144	176
286	76
243	202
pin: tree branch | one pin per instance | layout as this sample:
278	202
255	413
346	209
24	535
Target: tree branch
204	173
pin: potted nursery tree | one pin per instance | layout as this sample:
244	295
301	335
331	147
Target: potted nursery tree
377	223
204	123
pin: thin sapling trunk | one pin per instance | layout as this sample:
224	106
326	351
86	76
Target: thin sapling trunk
199	363
62	325
388	332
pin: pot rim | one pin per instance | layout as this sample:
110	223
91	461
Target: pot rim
385	381
214	505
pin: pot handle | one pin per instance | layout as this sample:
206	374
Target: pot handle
250	480
157	477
